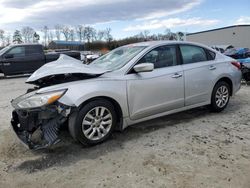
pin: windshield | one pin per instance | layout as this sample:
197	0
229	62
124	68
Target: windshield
4	50
117	58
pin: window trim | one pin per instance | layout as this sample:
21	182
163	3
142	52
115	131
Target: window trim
178	59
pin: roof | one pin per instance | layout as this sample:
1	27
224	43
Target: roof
152	43
70	43
163	42
27	44
233	26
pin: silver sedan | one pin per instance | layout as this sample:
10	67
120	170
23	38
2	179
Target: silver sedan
131	84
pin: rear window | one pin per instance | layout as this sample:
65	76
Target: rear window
33	49
192	54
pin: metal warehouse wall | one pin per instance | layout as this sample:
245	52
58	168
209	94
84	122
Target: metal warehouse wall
238	36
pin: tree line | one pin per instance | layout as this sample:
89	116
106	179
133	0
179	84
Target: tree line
94	39
59	32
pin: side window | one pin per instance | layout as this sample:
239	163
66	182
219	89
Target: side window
30	50
210	55
192	54
163	56
17	51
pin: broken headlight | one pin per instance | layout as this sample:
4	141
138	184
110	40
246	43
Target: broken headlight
40	99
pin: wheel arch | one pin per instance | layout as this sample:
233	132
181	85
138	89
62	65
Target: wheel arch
228	81
117	106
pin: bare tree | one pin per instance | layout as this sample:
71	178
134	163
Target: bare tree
7	40
100	35
93	34
58	31
80	32
66	32
89	33
146	34
27	33
50	36
2	37
167	34
45	31
72	35
108	37
170	35
173	36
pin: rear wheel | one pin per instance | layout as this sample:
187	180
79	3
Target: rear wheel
95	122
220	96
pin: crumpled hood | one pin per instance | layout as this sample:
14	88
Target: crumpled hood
64	65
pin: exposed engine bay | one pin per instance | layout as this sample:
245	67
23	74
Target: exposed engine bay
39	128
60	78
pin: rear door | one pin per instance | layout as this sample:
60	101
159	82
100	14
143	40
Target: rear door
151	93
35	57
199	73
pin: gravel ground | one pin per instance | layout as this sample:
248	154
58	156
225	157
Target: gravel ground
195	148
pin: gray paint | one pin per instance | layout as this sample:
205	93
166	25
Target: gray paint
147	95
238	36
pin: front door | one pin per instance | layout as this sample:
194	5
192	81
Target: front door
23	59
14	60
161	90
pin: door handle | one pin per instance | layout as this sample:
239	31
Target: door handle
176	75
212	67
6	64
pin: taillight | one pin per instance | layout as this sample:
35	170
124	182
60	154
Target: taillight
236	64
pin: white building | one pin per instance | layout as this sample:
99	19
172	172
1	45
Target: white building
237	36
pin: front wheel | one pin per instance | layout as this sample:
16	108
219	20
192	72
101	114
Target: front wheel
95	122
220	96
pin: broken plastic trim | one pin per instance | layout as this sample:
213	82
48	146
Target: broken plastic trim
39	129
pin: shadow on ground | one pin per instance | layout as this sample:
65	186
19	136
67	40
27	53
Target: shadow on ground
68	151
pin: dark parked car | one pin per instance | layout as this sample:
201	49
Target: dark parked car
242	55
27	58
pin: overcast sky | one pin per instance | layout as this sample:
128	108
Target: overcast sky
125	17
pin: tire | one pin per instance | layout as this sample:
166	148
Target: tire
90	128
220	96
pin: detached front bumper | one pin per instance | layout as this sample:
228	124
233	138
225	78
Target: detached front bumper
39	128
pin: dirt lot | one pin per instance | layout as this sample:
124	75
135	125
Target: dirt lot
190	149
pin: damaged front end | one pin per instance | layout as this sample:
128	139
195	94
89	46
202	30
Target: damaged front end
38	127
38	115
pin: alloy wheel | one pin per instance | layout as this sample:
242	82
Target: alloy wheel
222	96
97	123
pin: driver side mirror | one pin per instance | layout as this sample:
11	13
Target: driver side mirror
8	56
144	67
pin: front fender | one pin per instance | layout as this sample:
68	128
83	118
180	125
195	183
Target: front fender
78	93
